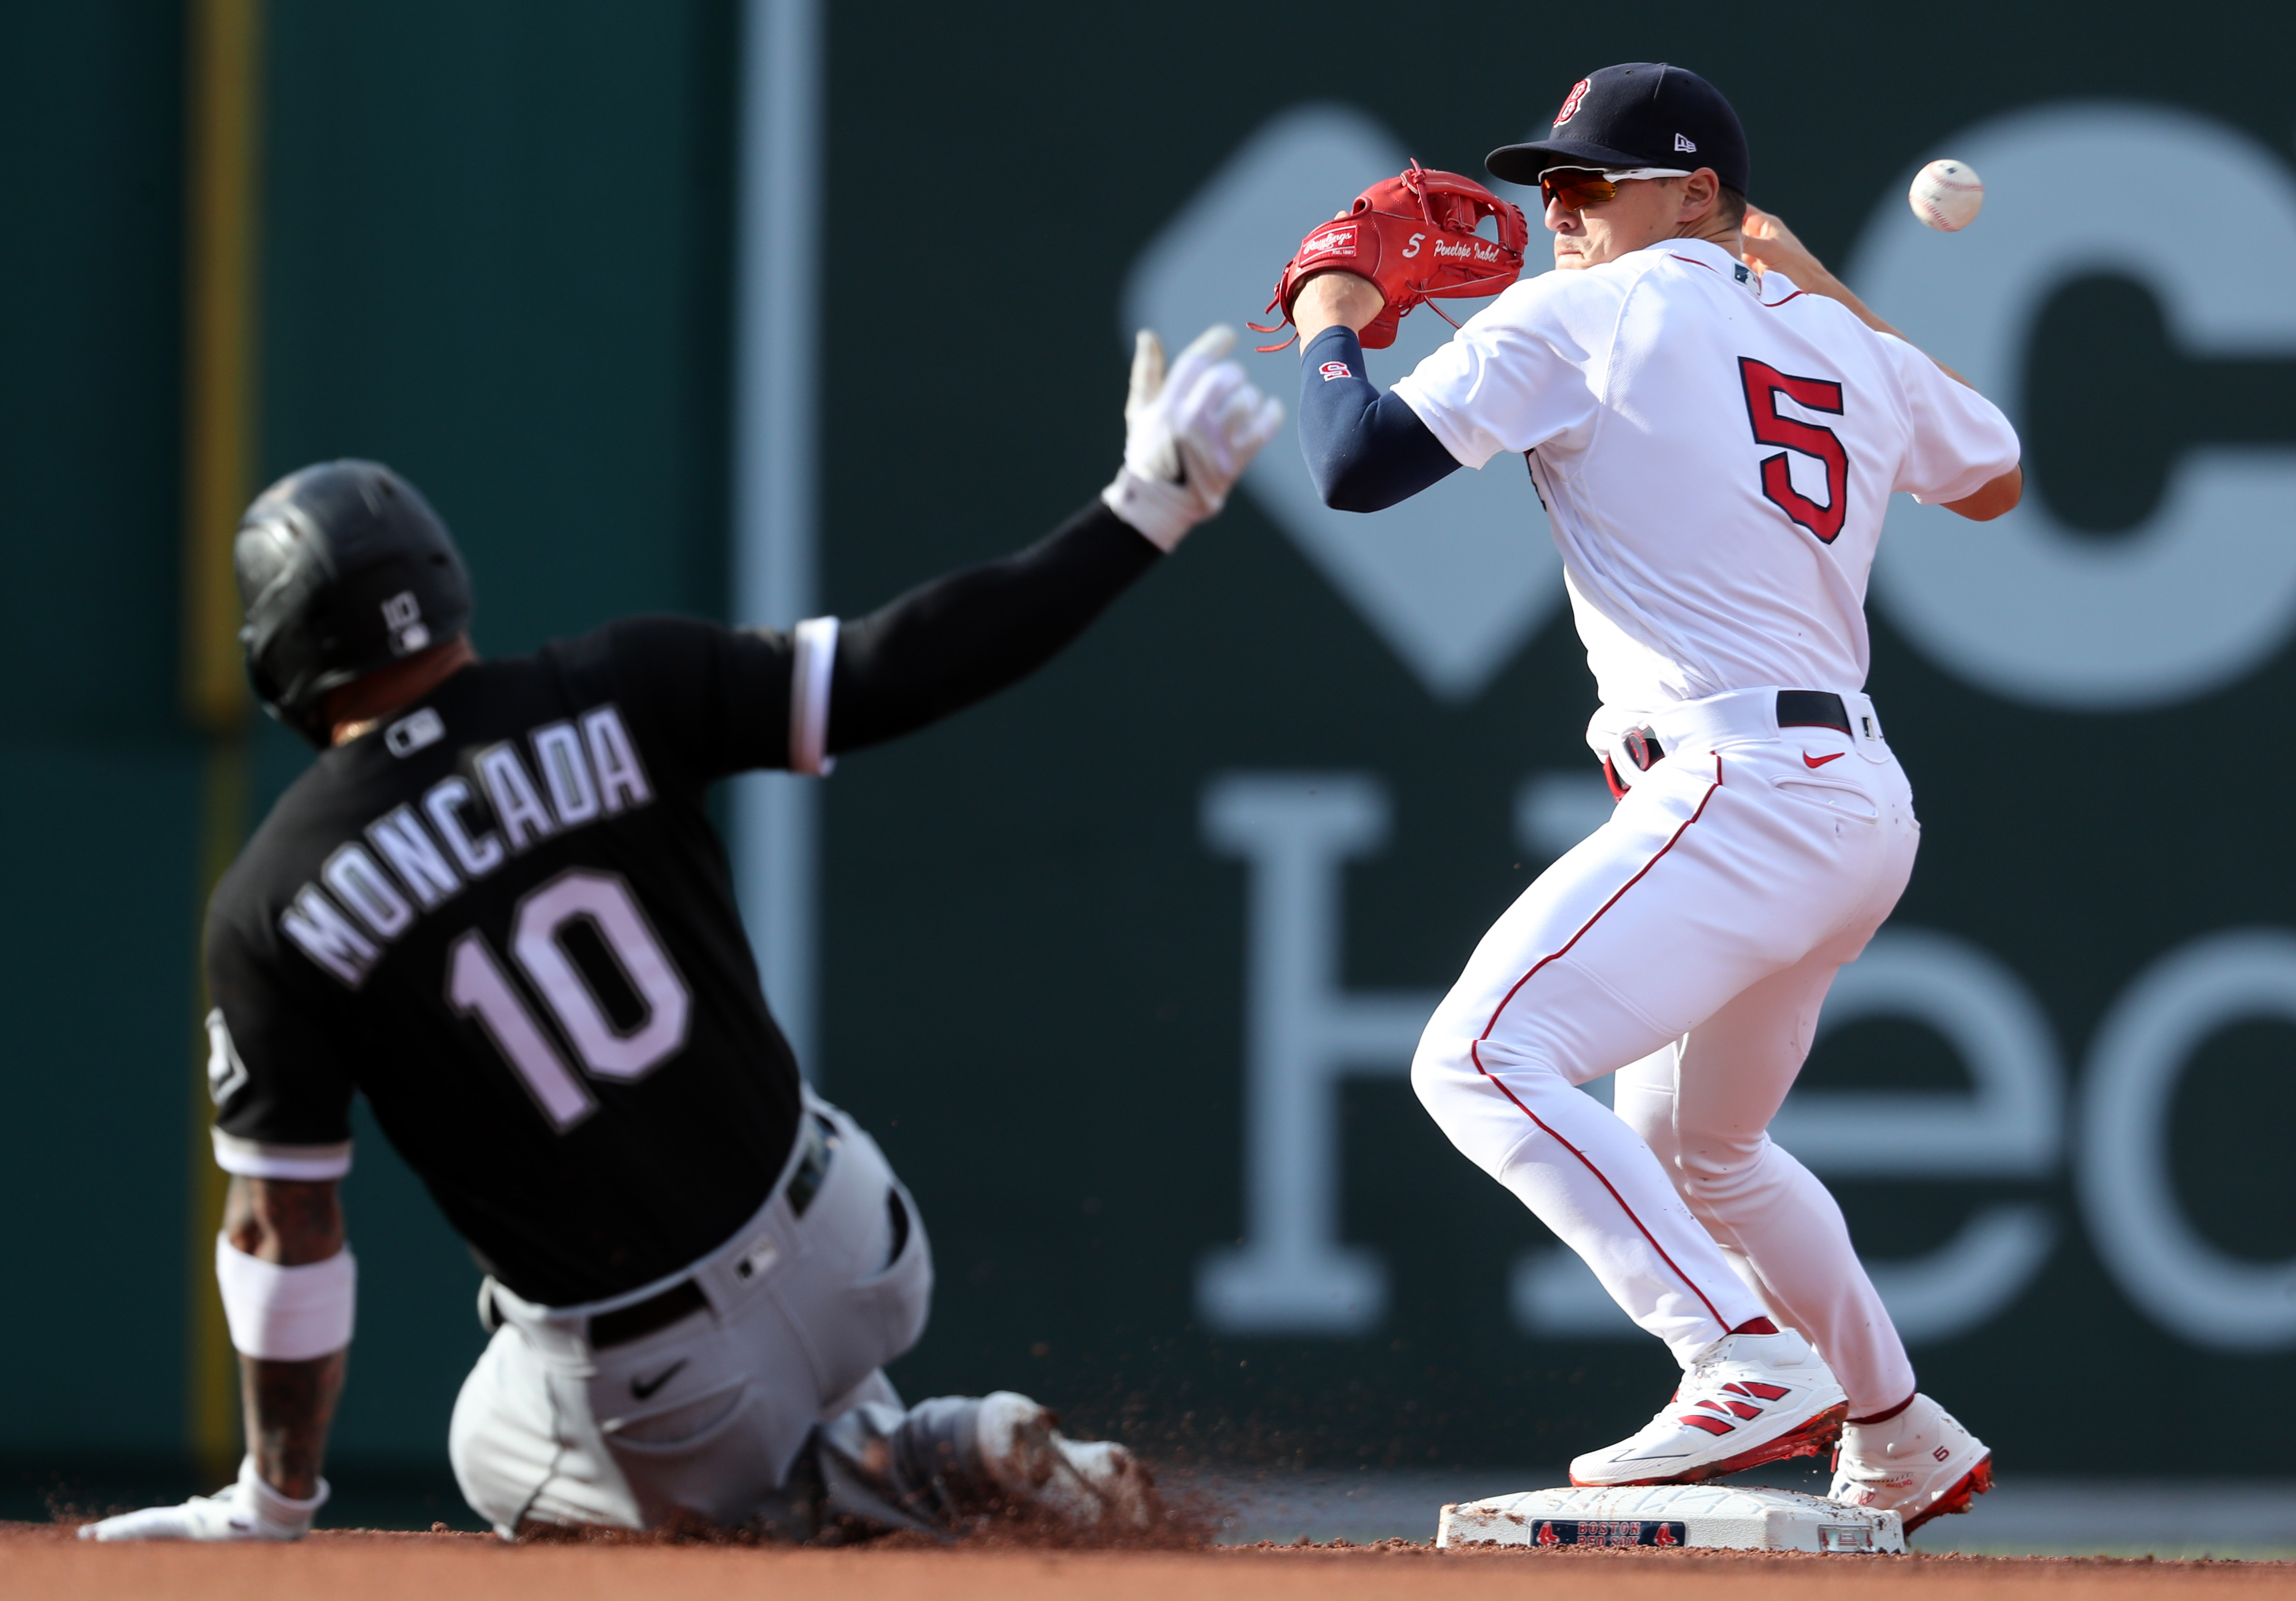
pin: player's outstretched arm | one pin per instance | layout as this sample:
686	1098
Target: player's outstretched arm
1188	435
289	1402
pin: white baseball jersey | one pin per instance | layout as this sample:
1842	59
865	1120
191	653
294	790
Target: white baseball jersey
1715	452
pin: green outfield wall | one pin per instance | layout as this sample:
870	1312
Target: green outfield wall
498	252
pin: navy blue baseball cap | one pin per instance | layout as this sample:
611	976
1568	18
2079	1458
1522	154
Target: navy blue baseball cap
1635	114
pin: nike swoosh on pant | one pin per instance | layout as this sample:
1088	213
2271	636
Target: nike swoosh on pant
641	1389
1819	761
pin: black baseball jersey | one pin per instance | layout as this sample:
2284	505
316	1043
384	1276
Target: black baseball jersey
503	916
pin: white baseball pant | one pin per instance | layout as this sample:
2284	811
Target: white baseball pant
1686	945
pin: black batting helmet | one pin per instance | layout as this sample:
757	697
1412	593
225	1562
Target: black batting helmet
344	567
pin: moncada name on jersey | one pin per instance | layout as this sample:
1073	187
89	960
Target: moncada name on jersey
590	770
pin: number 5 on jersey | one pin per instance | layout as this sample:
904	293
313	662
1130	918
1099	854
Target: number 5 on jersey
477	985
1764	384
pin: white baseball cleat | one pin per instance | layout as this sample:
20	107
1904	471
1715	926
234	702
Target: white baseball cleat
1744	1401
1920	1464
1085	1483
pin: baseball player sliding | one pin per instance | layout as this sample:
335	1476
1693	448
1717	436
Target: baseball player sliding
1715	426
496	906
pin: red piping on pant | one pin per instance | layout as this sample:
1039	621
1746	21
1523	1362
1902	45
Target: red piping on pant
1476	1055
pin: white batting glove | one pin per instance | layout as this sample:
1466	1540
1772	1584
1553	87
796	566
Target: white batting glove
1188	435
249	1509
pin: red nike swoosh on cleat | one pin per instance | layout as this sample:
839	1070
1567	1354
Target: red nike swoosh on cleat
1819	761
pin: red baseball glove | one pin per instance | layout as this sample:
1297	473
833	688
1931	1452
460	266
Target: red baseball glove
1414	236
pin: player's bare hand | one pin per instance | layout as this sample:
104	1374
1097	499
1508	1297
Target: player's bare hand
1768	245
1331	298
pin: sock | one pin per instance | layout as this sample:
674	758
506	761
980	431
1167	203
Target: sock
1885	1417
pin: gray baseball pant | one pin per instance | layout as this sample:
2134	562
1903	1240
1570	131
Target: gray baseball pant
766	1409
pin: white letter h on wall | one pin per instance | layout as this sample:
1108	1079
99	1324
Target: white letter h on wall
1303	1032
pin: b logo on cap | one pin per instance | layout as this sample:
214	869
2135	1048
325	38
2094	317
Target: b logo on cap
1570	102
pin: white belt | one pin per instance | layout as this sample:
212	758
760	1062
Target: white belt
1738	717
1743	716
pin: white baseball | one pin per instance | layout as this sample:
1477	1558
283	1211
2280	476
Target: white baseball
1946	196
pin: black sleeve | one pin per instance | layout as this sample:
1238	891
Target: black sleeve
277	1069
1367	450
717	698
959	639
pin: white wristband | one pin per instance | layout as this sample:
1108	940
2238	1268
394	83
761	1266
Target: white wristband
279	1515
286	1314
1162	513
814	650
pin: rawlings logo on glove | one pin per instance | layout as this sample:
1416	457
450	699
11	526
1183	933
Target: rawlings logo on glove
1385	237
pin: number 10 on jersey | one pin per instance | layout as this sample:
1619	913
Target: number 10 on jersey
478	986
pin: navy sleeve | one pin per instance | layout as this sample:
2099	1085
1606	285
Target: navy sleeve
1367	450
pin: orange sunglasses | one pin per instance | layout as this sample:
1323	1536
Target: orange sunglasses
1576	188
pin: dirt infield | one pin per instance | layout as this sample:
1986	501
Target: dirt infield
45	1561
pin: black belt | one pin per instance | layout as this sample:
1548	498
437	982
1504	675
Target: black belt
815	1144
1797	709
1813	708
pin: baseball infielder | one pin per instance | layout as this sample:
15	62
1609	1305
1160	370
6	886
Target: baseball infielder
494	906
1715	425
